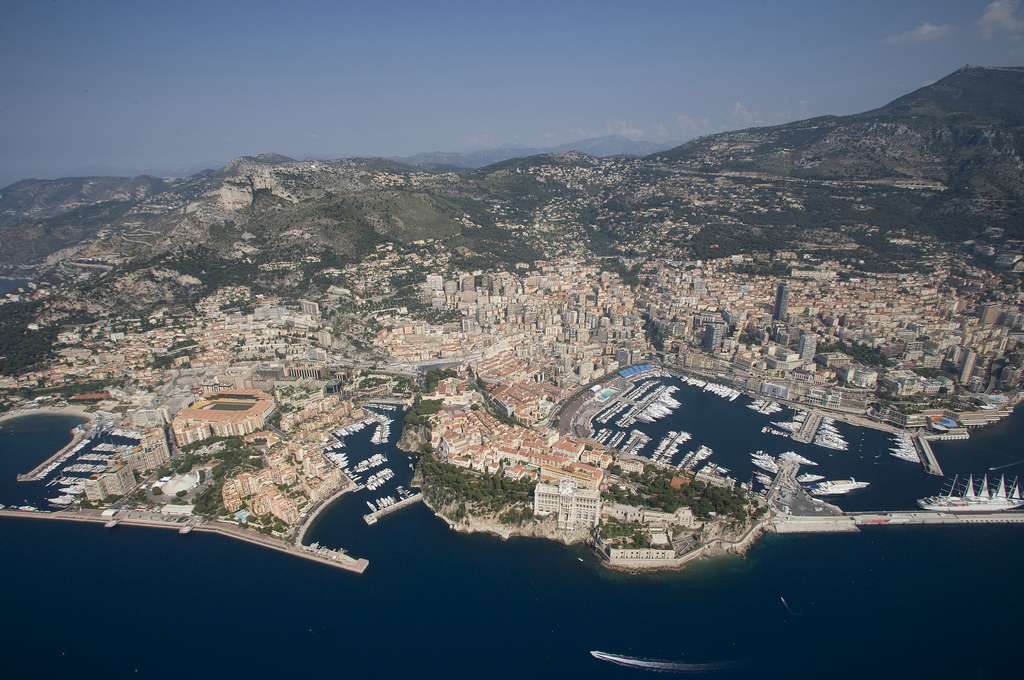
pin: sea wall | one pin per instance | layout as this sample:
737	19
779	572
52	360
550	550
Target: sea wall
789	524
715	547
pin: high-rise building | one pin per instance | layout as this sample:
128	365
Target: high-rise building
116	480
967	366
781	302
807	347
989	314
714	333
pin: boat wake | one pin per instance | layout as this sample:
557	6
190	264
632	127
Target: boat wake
1000	467
662	666
786	605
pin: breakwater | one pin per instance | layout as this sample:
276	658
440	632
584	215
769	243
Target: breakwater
185	524
47	466
795	524
372	517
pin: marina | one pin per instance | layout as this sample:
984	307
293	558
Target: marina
875	559
393	506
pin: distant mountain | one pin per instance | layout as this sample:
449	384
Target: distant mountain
963	134
942	164
599	147
36	198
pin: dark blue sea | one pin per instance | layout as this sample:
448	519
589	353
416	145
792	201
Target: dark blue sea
911	602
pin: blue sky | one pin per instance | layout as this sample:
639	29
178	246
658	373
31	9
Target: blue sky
165	87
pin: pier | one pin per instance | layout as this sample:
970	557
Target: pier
333	558
791	524
809	428
924	517
41	470
931	466
371	518
796	511
799	512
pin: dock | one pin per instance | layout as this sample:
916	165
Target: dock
925	517
808	429
333	558
41	470
798	512
797	524
931	466
371	518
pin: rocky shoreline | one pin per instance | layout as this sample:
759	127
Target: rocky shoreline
547	529
477	524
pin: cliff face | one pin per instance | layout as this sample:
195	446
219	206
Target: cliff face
413	436
545	527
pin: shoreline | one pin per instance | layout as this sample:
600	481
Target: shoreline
307	521
78	411
76	436
493	528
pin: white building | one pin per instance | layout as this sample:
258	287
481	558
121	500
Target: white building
572	505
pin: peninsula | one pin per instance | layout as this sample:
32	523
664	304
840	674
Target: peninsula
251	342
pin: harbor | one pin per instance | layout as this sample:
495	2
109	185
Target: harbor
387	509
50	464
795	510
51	489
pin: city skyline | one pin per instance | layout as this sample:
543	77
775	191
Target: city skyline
112	89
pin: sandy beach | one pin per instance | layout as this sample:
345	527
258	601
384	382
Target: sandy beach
49	410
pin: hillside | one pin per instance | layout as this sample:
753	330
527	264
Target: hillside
963	135
942	164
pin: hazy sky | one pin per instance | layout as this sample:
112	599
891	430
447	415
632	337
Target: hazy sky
165	87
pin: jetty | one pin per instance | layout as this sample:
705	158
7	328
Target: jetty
371	518
793	524
48	465
185	525
796	511
931	465
808	428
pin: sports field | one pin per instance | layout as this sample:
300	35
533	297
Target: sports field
228	406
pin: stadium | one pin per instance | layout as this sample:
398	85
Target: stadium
223	414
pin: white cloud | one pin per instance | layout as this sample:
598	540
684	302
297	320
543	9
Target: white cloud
926	31
741	115
580	133
1001	17
477	141
686	123
623	128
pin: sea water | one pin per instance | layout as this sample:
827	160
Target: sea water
903	601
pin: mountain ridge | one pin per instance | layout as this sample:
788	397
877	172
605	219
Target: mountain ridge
942	162
599	147
930	136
